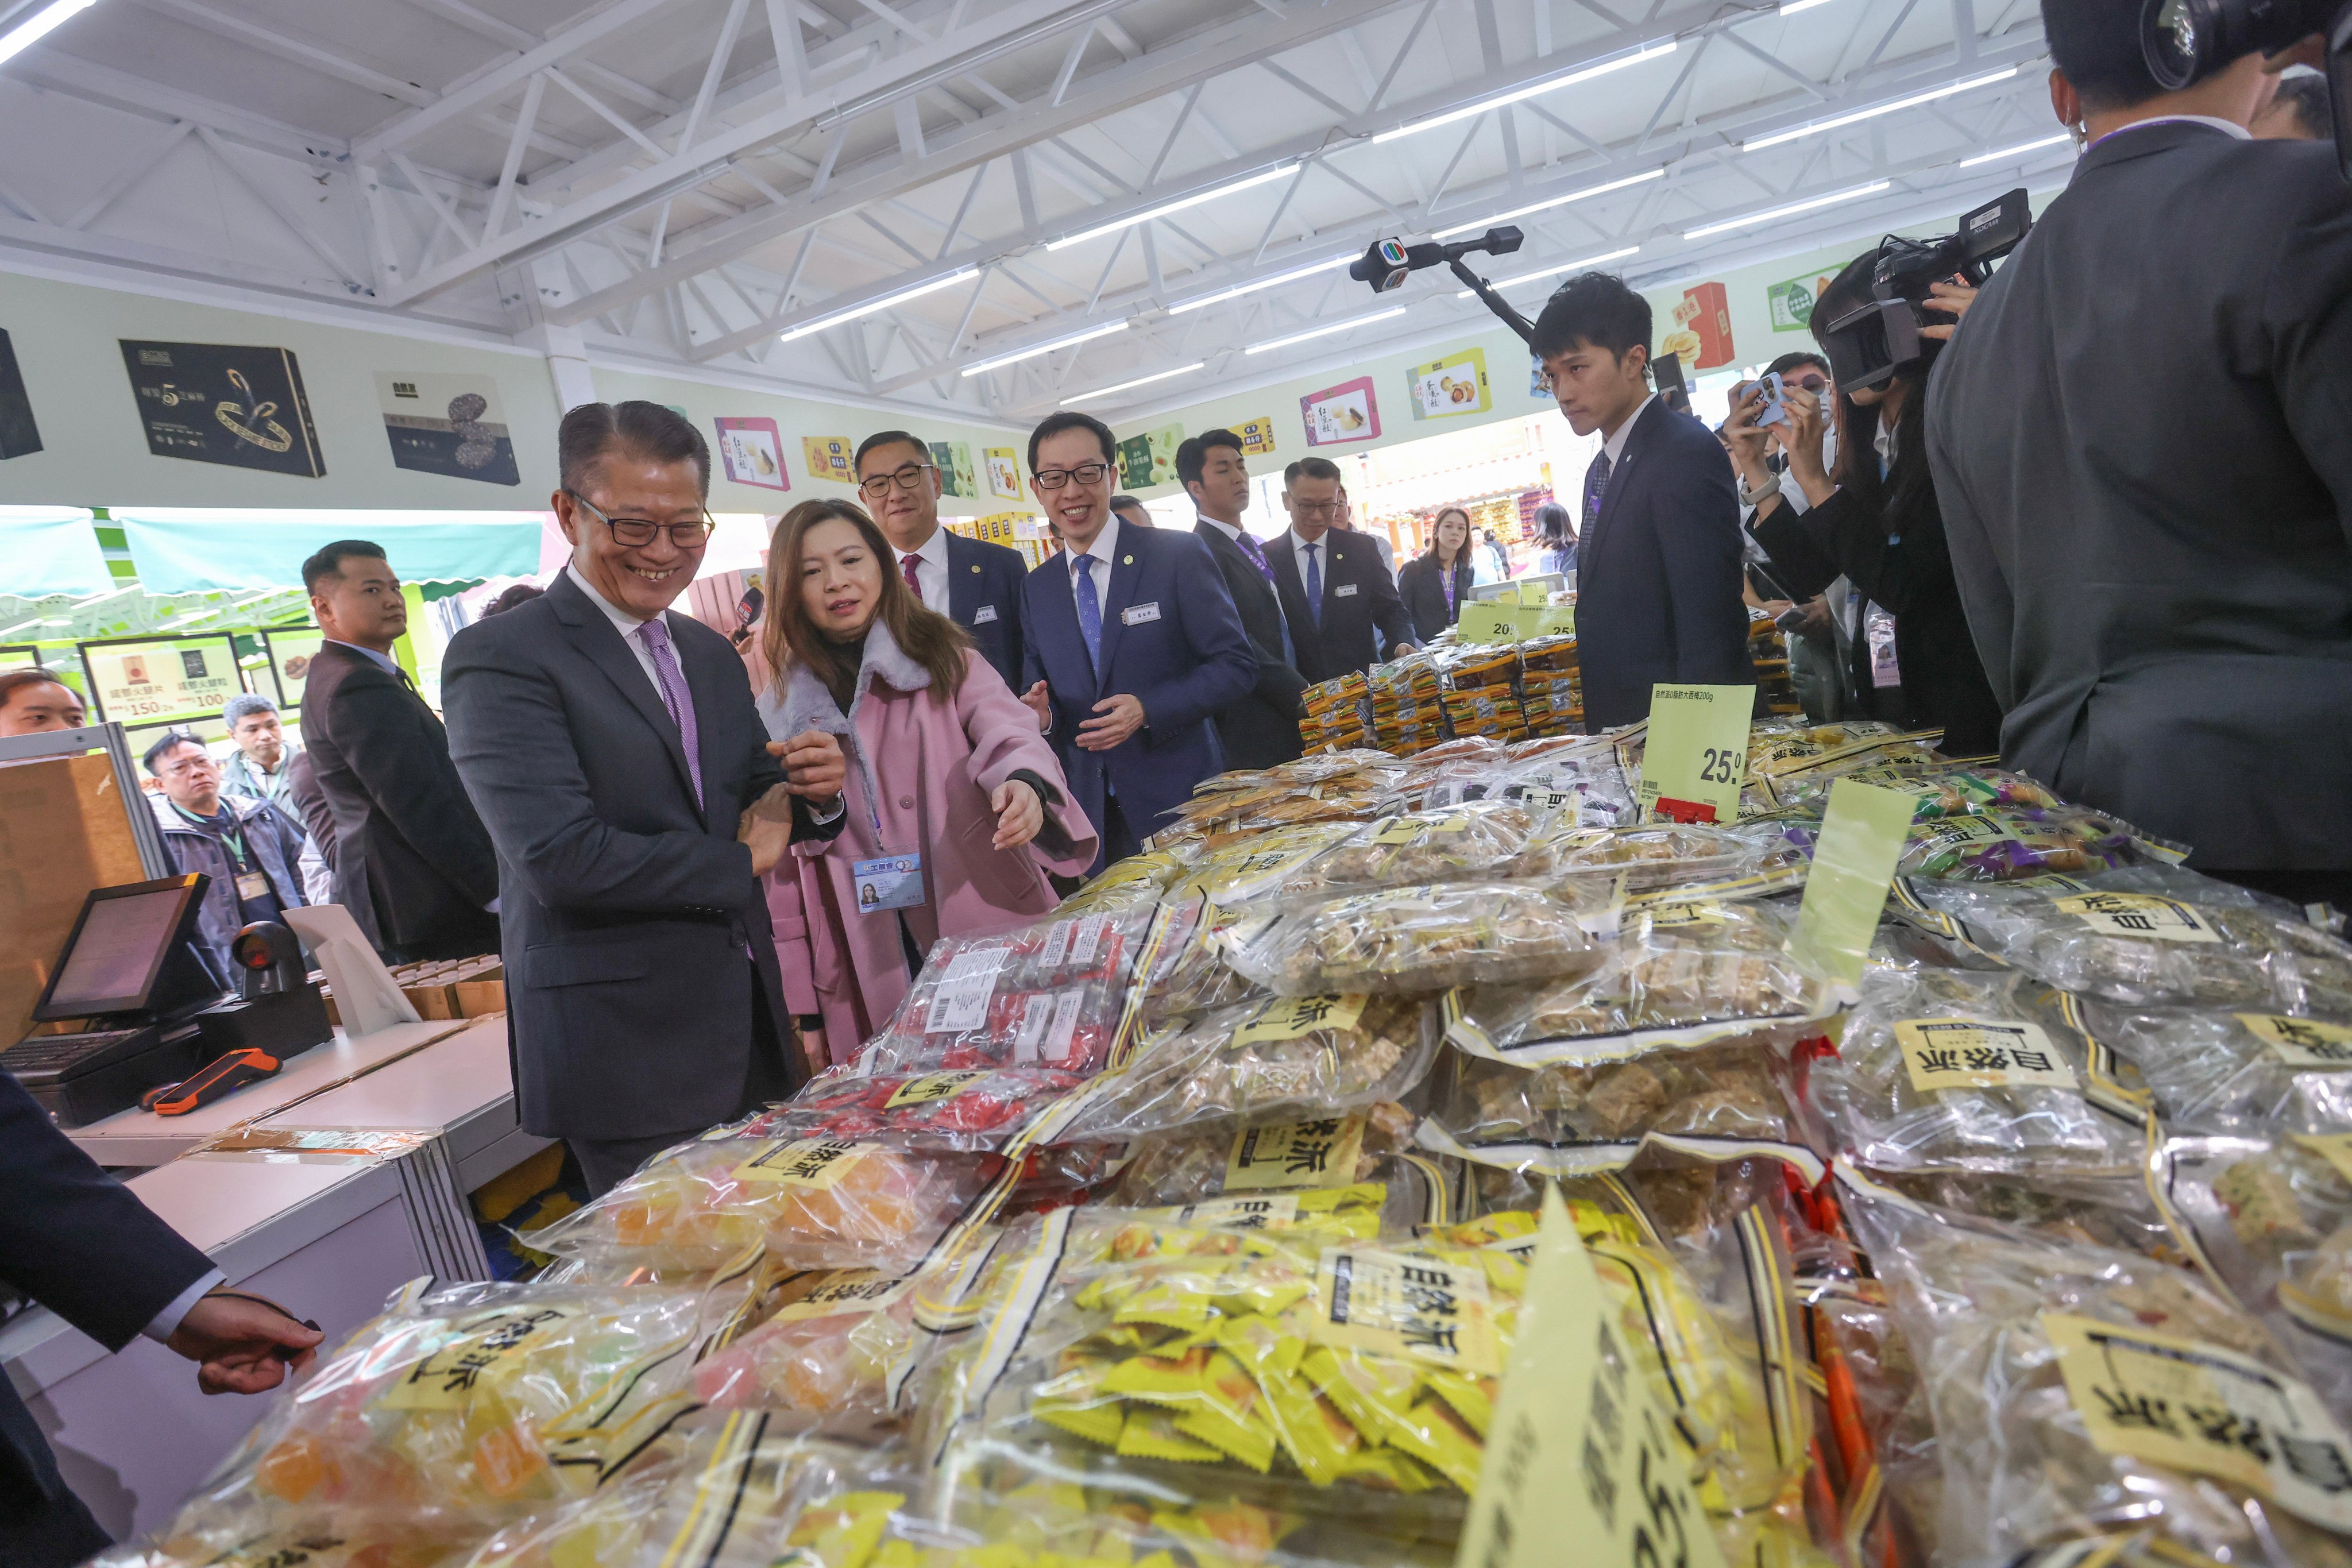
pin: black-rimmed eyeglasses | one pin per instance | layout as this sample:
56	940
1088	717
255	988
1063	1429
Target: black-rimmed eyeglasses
1085	473
905	478
638	532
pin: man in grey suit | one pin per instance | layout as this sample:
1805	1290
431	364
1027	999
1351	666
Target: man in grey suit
2140	445
636	803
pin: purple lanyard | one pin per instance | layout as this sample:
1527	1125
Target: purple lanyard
1447	574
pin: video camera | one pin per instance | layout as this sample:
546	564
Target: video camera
2187	40
1389	262
1869	344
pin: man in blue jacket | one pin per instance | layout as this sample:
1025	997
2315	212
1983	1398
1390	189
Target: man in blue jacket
1658	564
974	583
250	848
1134	643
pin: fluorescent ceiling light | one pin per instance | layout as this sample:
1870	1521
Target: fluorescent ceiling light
1277	280
1326	332
2003	155
1632	57
1164	208
1872	113
1131	386
1017	355
48	20
884	303
1790	7
1555	202
1752	219
1554	271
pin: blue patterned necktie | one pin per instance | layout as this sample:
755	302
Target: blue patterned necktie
1596	485
1314	589
1082	584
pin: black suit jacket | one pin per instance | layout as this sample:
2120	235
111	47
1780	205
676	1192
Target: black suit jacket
413	863
1658	573
984	599
626	909
1260	731
74	1239
1358	594
2159	579
1421	585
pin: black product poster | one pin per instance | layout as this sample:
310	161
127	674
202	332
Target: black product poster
449	425
18	434
221	403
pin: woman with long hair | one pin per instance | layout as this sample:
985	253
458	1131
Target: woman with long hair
1556	543
956	806
1435	583
1875	520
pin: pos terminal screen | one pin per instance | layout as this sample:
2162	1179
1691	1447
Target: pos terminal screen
117	951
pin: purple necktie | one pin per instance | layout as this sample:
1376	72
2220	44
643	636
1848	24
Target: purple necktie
1257	556
671	682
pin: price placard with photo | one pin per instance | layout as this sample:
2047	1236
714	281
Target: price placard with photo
290	649
1348	412
145	681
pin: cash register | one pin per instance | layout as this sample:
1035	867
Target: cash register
131	975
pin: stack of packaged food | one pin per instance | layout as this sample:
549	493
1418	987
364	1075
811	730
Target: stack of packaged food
1193	1224
1406	714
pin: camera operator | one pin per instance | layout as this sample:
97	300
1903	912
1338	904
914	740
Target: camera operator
1874	520
2143	446
1820	632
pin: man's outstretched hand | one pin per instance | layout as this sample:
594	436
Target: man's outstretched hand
241	1345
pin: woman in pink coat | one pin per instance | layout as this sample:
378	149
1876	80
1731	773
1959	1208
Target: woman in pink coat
957	807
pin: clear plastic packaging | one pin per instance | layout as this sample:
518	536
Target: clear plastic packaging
1247	868
2011	843
1780	747
1309	1056
1187	970
1211	1159
809	1203
967	1111
1134	884
2144	936
2254	1073
1480	841
1950	1070
1415	941
1700	858
1674	976
1941	790
2054	1373
1048	996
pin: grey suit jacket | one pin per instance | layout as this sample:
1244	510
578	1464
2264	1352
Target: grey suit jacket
624	910
2142	445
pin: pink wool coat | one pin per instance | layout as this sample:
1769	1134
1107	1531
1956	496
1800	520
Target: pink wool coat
928	764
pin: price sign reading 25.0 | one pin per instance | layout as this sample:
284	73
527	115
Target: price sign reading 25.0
1694	756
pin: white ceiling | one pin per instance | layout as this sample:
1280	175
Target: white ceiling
683	181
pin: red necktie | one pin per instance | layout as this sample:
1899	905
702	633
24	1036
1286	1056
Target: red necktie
908	565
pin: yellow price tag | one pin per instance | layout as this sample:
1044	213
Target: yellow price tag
1534	593
1578	1452
1695	754
1488	621
1854	866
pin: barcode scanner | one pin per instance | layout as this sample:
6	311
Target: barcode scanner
223	1076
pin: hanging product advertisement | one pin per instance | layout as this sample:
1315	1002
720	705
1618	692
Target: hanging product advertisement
18	434
1702	334
1348	412
1257	436
827	457
1454	384
1149	459
145	682
1792	303
225	403
1003	473
957	476
289	649
753	452
449	425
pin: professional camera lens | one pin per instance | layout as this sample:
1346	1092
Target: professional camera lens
2172	32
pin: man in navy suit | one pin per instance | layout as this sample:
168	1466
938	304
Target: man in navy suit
1658	564
1261	730
1134	644
1335	589
976	586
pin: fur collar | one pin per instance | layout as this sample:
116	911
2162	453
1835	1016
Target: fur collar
806	703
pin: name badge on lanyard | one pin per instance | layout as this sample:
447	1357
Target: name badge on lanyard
252	885
888	882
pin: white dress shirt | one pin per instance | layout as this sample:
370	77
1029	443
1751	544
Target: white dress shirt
931	568
1322	557
391	665
1231	529
1616	444
1103	551
2228	127
165	1323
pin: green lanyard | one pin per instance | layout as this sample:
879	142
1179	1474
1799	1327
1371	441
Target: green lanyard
232	840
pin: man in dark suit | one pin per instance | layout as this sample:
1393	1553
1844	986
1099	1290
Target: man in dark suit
412	861
1334	588
1134	645
1262	728
1658	573
613	751
75	1240
2141	447
977	586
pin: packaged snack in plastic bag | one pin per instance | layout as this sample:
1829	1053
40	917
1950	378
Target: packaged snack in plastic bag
1208	1160
1722	1099
1957	1072
1674	974
1415	939
1702	860
967	1110
1778	747
2144	936
2272	1222
2113	1210
2011	843
1482	841
2081	1394
1188	968
814	1203
1234	875
1302	1056
458	1408
1053	998
2254	1073
1135	883
1941	790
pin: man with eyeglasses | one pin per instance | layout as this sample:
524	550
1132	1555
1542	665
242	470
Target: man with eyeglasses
636	804
975	585
1334	590
1134	644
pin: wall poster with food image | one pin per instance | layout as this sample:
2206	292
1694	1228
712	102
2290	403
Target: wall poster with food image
447	425
1004	472
225	403
1348	412
957	476
1257	436
1701	337
1149	459
1454	384
753	452
289	649
827	457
